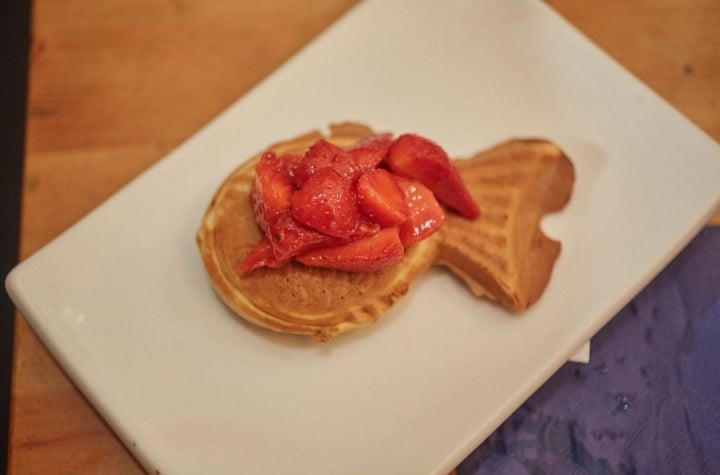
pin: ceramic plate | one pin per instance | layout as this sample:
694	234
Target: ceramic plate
122	301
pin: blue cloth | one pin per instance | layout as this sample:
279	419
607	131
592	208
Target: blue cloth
649	400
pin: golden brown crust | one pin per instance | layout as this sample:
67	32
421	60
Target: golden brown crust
504	255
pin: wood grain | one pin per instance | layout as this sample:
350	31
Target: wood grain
104	82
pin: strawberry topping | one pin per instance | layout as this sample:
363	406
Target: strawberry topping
380	198
272	189
417	157
376	252
354	210
323	154
326	203
425	215
288	237
261	256
368	153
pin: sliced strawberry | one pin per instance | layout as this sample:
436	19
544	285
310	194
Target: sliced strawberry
326	202
370	152
288	237
322	154
380	198
290	161
260	256
365	228
272	189
364	255
425	214
416	157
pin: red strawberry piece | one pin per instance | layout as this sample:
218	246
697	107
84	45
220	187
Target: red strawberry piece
416	157
272	189
376	252
260	256
290	161
370	152
365	228
323	154
425	214
326	203
380	198
288	237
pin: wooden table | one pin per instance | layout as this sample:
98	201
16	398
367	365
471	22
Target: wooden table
104	82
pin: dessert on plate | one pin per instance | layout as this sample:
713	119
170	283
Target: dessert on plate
319	234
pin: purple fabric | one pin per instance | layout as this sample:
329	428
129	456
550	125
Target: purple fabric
649	400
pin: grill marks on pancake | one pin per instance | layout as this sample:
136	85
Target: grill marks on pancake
487	240
505	253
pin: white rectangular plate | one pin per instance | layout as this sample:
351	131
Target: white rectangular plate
122	301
